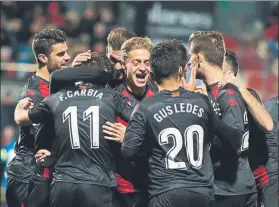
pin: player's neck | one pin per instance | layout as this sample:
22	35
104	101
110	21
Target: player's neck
213	75
43	73
169	84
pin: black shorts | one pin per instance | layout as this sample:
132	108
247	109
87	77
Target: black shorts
17	193
38	191
248	200
180	197
80	194
130	200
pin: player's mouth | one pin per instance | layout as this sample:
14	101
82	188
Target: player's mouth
64	66
141	76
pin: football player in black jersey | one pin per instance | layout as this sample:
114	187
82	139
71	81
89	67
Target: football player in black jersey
233	179
269	192
230	70
85	163
135	54
262	142
174	128
50	49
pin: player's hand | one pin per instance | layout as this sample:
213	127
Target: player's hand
26	103
82	57
229	77
201	89
115	132
40	155
191	85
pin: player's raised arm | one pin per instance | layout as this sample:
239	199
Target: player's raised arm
253	102
134	136
67	77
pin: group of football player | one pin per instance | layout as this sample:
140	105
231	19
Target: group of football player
125	128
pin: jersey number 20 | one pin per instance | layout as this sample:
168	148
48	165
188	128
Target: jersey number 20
179	141
92	113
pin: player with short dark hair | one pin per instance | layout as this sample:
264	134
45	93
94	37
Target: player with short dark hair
232	61
234	181
135	54
262	142
50	49
251	97
85	163
174	128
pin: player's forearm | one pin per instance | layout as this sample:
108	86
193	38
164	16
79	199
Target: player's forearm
67	77
21	116
259	113
129	153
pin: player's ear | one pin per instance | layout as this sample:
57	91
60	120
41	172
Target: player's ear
43	58
123	65
200	59
181	71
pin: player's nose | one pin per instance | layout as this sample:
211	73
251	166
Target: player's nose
67	57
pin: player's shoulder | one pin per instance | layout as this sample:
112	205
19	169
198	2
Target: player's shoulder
228	89
35	86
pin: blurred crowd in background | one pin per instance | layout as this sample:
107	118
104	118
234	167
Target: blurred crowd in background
250	29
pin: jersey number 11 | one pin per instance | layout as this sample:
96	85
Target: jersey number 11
92	113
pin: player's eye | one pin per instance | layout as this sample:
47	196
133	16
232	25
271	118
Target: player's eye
147	63
61	54
135	63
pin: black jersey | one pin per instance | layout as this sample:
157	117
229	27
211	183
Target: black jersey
272	140
37	89
78	114
174	129
128	173
258	141
232	173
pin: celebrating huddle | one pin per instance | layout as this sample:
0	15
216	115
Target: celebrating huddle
126	129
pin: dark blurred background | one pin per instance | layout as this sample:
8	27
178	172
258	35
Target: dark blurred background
250	29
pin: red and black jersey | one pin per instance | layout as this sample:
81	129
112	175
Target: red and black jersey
125	171
232	173
37	89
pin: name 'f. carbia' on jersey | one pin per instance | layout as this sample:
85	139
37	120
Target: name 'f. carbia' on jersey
83	155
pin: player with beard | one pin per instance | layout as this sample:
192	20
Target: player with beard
262	142
84	163
234	181
180	171
135	54
50	49
114	41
